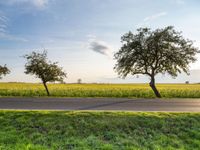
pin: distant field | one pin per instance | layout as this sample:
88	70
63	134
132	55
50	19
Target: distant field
100	90
49	130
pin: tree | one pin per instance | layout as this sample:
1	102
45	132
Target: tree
79	81
152	52
4	71
38	65
187	82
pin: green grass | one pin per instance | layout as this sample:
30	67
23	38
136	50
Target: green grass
50	130
100	90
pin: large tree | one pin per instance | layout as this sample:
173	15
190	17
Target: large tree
150	52
4	71
38	65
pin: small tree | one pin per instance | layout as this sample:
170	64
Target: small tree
4	71
152	52
38	65
187	82
79	81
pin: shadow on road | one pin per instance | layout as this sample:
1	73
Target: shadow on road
103	105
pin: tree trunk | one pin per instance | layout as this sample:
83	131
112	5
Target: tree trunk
46	89
152	85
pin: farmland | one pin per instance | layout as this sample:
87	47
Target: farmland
99	90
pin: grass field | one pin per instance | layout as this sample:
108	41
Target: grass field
44	130
100	90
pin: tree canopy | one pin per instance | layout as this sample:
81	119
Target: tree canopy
4	71
152	52
38	65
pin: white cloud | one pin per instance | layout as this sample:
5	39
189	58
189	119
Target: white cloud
180	2
91	36
37	3
155	16
40	3
147	20
100	47
10	37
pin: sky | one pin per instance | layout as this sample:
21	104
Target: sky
83	35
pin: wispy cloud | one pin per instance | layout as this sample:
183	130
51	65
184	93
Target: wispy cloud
37	3
180	2
9	37
155	16
4	34
100	47
3	23
147	20
40	3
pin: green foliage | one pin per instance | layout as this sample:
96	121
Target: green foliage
152	52
4	71
50	130
37	64
100	90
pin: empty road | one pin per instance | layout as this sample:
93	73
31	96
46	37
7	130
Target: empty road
122	104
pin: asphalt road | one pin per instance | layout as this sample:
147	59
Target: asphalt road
122	104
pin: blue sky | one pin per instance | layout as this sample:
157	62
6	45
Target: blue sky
82	35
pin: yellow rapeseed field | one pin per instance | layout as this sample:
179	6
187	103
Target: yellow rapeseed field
100	90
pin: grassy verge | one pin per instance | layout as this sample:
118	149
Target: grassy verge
99	90
46	130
